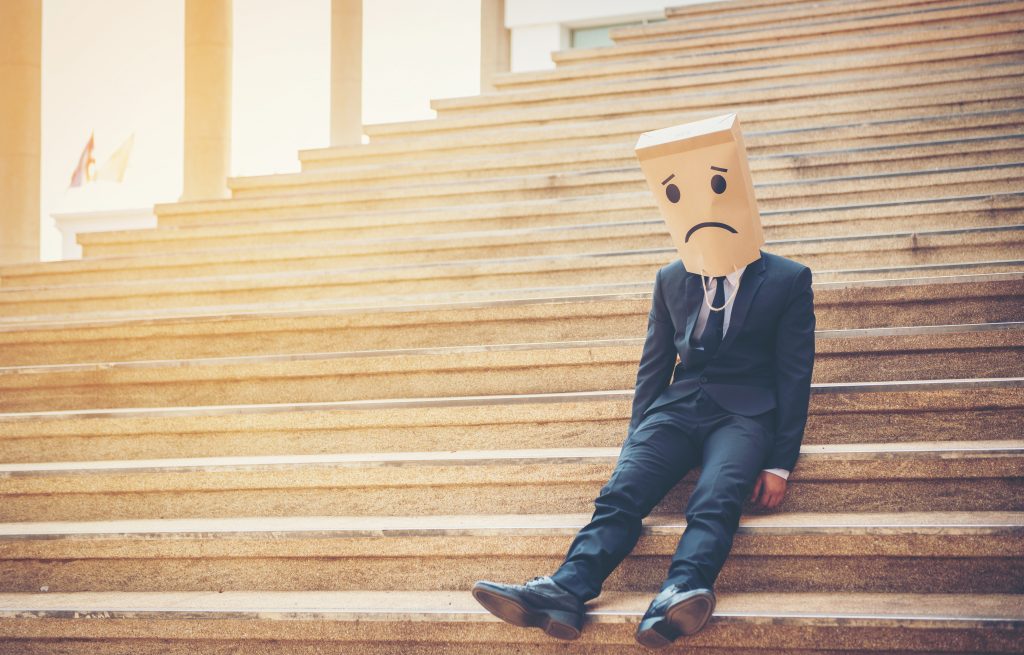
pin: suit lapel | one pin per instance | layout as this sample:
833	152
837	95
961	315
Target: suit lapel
694	297
750	281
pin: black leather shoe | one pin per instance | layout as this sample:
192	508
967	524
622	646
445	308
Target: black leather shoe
673	612
540	603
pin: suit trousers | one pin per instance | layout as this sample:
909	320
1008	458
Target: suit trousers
666	444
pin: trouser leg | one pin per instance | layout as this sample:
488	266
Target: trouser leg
733	451
658	453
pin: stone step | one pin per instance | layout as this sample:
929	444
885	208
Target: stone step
700	11
1000	172
452	622
768	129
885	354
950	14
1004	175
914	154
865	41
857	92
821	14
563	315
545	216
918	245
999	46
908	552
840	258
421	284
962	476
839	413
988	139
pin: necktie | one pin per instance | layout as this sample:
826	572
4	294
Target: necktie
711	338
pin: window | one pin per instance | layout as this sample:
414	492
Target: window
593	37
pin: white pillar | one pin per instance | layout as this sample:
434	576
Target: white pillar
346	72
495	43
21	32
207	99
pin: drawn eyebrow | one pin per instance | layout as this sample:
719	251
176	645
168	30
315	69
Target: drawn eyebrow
667	179
724	170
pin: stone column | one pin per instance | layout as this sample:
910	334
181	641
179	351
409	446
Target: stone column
21	32
346	72
495	43
207	99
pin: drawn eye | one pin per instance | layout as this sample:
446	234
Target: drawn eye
672	193
718	184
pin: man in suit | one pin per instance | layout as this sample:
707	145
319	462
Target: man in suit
736	406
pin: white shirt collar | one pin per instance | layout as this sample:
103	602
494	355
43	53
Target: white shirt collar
734	277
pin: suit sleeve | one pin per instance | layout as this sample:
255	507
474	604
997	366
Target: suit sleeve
794	361
658	358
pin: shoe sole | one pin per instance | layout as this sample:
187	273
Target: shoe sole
690	615
686	617
511	610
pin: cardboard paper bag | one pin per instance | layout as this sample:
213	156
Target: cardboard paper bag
700	178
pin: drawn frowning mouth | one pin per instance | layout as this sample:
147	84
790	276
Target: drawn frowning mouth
707	224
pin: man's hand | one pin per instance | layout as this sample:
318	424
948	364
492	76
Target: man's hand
768	489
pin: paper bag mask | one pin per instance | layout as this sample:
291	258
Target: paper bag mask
700	178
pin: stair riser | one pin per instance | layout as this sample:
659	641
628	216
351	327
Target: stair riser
454	563
945	119
104	634
770	196
1006	147
894	251
954	16
832	418
375	287
889	358
991	301
608	178
953	485
996	49
857	93
701	11
881	218
980	247
797	15
866	43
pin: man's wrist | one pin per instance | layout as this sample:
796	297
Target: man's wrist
782	473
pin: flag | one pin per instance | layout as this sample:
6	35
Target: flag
113	168
82	172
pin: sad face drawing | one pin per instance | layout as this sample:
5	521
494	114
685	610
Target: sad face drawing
700	179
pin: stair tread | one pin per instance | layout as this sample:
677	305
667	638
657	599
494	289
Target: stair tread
525	524
386	246
868	82
395	270
432	352
904	610
546	137
545	296
719	76
677	59
624	199
935	449
492	400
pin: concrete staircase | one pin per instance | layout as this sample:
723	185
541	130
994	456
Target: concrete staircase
305	419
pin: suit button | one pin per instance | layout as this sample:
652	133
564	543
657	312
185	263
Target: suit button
703	378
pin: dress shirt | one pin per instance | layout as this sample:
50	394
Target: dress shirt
731	281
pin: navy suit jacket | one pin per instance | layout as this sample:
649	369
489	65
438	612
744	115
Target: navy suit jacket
765	358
